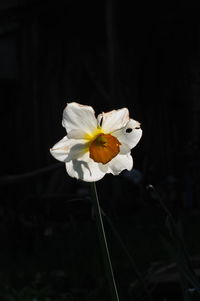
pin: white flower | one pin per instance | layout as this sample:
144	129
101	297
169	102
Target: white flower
96	146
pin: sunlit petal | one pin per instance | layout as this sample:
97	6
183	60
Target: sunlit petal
86	171
129	135
79	117
69	149
113	120
119	163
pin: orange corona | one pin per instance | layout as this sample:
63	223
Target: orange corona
104	148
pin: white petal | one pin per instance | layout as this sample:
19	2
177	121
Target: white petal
119	163
129	135
79	117
69	149
113	120
86	171
76	134
124	149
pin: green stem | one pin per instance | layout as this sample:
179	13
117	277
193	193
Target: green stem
104	245
124	248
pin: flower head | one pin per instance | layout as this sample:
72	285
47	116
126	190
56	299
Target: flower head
96	146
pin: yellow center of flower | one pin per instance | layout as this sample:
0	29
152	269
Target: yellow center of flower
104	148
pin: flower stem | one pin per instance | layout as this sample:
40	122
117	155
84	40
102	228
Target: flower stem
104	245
132	261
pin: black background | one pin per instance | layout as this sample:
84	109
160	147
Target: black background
108	55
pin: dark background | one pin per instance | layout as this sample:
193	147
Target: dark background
108	55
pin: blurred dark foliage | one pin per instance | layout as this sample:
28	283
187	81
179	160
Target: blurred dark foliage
108	55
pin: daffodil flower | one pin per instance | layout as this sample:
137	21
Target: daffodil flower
94	146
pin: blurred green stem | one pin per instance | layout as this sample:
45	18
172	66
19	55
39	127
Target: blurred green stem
104	245
133	264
